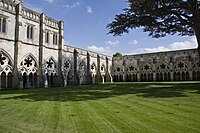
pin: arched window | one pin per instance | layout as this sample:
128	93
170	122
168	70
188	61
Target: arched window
55	38
3	24
47	37
29	32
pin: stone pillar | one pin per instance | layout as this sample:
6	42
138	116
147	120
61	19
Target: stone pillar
103	79
75	77
88	73
107	72
98	74
60	47
138	77
21	83
45	81
18	18
41	49
172	76
124	71
190	75
65	79
93	79
154	77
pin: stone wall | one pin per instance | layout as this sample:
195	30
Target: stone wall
29	59
179	65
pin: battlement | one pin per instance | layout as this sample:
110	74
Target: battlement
30	14
51	22
7	5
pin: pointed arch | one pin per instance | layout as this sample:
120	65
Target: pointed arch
181	70
93	67
11	61
162	71
146	72
196	71
32	57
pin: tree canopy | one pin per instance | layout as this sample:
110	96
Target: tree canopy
117	54
159	18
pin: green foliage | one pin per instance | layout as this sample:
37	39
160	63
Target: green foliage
104	108
159	18
117	54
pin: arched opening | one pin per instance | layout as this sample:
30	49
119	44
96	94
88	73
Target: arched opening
142	78
3	80
145	77
183	76
31	80
194	76
121	78
24	80
198	76
9	82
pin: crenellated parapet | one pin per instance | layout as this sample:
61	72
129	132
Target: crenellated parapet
51	22
30	14
7	6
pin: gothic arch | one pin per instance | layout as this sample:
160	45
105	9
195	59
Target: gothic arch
162	71
82	70
118	73
5	69
146	72
66	68
132	73
196	70
181	71
93	68
50	71
5	53
28	64
102	69
28	71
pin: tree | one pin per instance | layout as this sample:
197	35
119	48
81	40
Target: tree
117	54
159	18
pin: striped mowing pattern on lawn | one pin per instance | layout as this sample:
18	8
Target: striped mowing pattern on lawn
118	107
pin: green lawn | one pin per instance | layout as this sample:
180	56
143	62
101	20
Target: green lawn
118	107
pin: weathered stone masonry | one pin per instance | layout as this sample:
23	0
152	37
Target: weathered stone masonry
33	54
182	65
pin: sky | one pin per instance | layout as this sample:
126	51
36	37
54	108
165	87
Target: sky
85	24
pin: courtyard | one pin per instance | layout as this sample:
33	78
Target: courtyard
117	107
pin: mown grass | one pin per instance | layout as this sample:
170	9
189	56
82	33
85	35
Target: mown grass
118	107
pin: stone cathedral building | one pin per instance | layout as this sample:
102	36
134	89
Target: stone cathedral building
33	54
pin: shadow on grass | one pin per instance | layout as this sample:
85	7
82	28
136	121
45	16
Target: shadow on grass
99	91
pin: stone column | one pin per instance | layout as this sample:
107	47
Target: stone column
75	77
103	79
21	83
98	74
138	77
18	17
190	75
154	77
172	76
60	47
41	49
93	79
89	76
45	81
65	79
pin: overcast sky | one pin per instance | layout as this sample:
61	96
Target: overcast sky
85	27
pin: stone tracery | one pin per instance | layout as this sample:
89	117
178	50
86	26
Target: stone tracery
5	71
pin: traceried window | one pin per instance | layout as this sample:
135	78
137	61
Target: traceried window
3	24
30	32
55	38
47	37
